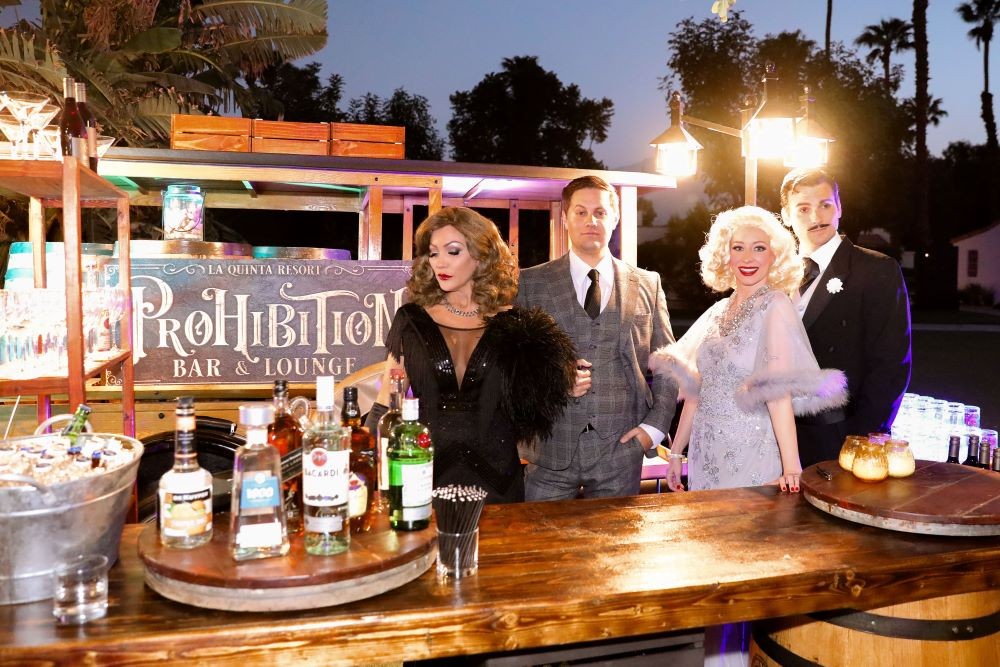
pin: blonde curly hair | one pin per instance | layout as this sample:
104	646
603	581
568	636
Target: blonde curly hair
494	282
786	271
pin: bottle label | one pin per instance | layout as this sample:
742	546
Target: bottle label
324	524
259	491
259	535
383	464
358	495
185	514
417	480
325	477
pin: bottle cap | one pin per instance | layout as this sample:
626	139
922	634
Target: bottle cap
256	414
185	401
350	394
411	409
281	386
324	392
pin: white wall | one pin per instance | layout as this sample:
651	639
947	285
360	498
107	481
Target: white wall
988	244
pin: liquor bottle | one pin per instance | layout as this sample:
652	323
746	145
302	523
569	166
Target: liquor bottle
326	451
383	430
285	433
71	131
89	124
411	471
185	491
75	427
972	457
954	447
258	514
995	462
363	483
984	454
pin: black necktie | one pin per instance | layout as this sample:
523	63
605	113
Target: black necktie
592	302
812	272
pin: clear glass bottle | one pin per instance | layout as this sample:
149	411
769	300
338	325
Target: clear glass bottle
89	123
258	514
285	433
383	431
74	428
363	483
72	136
185	491
326	452
411	471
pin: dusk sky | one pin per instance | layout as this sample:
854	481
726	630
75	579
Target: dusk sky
614	49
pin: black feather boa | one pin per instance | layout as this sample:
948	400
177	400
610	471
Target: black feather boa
537	362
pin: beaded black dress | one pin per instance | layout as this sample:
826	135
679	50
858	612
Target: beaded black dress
483	390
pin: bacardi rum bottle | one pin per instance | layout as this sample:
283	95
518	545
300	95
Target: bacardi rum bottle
285	433
326	452
258	514
185	492
411	471
363	481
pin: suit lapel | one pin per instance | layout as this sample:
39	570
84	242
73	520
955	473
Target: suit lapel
840	267
562	289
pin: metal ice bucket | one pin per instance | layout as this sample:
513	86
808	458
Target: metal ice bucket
41	526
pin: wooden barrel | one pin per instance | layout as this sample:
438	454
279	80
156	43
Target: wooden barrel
953	630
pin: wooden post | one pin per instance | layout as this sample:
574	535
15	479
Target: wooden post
628	223
433	200
408	228
513	234
558	238
374	216
74	306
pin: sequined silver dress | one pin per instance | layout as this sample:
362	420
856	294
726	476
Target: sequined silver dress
733	372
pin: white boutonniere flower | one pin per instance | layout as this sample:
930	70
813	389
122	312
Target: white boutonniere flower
834	285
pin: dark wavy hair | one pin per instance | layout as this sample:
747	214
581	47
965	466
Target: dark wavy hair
494	282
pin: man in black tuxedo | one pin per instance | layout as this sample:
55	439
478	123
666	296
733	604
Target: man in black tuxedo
856	311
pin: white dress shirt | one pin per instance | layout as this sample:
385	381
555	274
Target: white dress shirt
578	270
823	255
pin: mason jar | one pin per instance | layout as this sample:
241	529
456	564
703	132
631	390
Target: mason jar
183	212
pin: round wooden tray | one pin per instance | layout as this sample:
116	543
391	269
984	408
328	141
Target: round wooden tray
208	576
938	499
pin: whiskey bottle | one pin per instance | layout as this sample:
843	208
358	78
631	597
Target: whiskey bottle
954	447
411	471
258	514
383	430
185	491
89	124
363	483
75	427
72	135
285	433
326	451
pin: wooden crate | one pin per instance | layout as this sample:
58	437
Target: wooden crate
210	133
273	136
359	140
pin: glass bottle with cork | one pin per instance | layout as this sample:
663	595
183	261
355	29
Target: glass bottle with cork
326	451
89	124
72	135
185	491
972	449
258	514
363	483
411	471
285	433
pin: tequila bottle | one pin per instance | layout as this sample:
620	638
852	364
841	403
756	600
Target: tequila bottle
185	491
285	433
383	431
258	514
363	483
326	451
411	471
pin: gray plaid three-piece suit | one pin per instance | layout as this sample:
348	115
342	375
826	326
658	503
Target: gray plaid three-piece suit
618	344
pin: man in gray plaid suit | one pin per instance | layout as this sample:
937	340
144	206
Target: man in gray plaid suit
616	315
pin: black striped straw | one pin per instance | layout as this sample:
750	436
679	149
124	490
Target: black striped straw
458	507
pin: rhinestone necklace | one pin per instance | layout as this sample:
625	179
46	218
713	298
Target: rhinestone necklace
461	313
730	325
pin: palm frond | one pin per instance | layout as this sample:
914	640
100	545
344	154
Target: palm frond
262	50
303	16
25	66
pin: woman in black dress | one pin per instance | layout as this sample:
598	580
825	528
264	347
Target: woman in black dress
489	375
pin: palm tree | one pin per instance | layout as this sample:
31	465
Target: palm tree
145	60
884	39
921	107
983	14
829	22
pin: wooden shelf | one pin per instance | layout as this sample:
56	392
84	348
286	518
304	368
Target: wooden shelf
43	179
58	384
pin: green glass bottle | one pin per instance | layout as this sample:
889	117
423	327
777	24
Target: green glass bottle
75	427
411	471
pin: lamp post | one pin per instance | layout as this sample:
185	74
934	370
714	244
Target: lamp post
767	132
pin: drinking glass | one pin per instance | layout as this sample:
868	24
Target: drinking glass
103	144
36	122
12	129
22	106
972	416
81	589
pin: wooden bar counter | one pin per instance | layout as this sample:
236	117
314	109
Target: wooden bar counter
549	574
